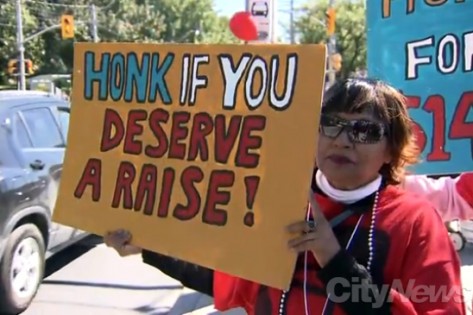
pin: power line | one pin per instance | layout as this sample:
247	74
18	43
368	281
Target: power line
57	5
77	6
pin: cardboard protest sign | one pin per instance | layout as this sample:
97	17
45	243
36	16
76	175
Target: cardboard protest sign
202	152
425	49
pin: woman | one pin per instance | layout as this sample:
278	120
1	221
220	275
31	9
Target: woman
453	197
367	246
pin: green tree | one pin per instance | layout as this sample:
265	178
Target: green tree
190	21
350	30
123	21
8	44
129	21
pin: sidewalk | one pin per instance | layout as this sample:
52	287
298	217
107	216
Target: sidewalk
102	283
194	303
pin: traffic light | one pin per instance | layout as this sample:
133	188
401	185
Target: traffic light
336	61
12	66
330	21
29	66
67	26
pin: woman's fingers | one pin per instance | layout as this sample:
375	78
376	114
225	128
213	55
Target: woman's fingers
303	246
127	250
302	227
317	213
307	237
117	239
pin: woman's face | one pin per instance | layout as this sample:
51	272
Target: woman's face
352	149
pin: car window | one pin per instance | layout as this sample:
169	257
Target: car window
63	119
21	134
43	128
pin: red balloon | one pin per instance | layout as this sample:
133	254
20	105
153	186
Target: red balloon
243	26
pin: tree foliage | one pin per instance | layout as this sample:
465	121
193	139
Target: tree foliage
191	21
350	30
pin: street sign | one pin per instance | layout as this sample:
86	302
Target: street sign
263	12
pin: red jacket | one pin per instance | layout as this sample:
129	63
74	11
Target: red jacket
452	197
412	253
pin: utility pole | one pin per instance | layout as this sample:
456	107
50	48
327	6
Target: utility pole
247	9
291	21
93	14
146	9
274	20
20	46
331	47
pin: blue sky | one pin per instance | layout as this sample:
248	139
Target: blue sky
228	7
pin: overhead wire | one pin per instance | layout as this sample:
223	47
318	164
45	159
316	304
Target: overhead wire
78	6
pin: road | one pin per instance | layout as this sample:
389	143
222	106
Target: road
467	276
90	278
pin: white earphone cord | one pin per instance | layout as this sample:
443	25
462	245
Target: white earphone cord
306	302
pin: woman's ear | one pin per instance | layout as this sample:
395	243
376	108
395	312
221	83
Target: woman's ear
387	156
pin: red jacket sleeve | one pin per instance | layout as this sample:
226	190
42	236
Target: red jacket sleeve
232	292
452	197
431	280
464	187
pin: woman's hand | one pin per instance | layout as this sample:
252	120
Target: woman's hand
316	236
120	241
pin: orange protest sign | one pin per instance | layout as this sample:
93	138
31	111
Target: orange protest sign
203	152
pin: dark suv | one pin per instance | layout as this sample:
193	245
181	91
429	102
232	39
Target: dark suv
33	130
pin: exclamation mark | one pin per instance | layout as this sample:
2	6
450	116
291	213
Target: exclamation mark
251	185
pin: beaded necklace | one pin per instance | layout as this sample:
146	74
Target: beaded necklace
282	302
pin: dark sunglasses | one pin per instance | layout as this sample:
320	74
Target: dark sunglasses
358	131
